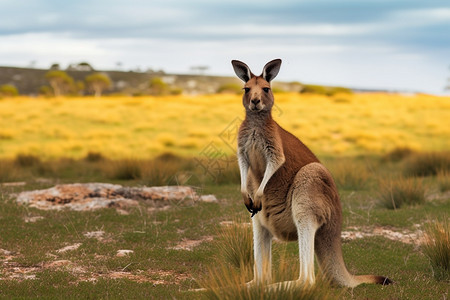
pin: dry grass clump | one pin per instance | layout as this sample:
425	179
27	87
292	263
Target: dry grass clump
224	282
234	269
27	160
427	164
349	174
443	180
398	154
235	244
437	248
398	192
93	156
124	169
8	171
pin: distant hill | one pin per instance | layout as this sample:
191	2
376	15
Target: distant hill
28	81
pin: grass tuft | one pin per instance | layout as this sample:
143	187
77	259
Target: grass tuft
226	282
235	244
396	193
443	180
125	169
437	248
427	164
159	173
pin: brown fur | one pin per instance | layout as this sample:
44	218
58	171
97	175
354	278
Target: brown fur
300	187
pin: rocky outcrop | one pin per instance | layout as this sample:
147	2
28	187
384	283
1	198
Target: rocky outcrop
91	196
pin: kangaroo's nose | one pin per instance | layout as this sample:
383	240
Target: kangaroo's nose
256	101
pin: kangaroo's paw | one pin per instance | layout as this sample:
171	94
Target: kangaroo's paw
251	205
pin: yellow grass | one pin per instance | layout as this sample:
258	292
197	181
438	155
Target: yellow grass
144	127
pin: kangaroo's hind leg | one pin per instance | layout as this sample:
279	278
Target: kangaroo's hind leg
262	247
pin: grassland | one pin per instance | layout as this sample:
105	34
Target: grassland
369	142
123	127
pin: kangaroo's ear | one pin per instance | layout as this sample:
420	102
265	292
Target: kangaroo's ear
242	70
271	69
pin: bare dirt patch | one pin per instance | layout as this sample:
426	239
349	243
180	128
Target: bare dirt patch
189	245
11	270
404	236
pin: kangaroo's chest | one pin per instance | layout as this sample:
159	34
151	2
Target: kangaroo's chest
254	148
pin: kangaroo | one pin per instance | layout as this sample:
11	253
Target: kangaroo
289	193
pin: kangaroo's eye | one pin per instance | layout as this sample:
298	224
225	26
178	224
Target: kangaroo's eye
247	90
266	89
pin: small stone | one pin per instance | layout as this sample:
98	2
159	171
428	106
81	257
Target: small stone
122	253
208	198
69	248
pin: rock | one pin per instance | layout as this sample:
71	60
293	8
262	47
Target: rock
122	253
69	248
33	219
208	198
95	234
91	196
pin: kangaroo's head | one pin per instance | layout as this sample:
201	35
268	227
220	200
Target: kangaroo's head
257	93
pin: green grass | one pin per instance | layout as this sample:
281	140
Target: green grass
155	270
437	248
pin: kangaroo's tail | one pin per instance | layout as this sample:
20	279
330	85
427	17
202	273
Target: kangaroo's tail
329	254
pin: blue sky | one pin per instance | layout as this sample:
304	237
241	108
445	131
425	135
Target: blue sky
397	44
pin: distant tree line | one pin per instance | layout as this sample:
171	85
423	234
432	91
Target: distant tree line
61	83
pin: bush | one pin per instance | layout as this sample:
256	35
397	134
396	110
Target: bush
437	248
158	87
426	164
314	89
324	90
8	90
396	193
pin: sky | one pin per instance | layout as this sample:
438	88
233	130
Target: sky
401	45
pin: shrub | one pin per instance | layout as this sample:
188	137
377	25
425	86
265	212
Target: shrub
324	90
8	90
158	87
426	164
437	248
396	193
314	89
